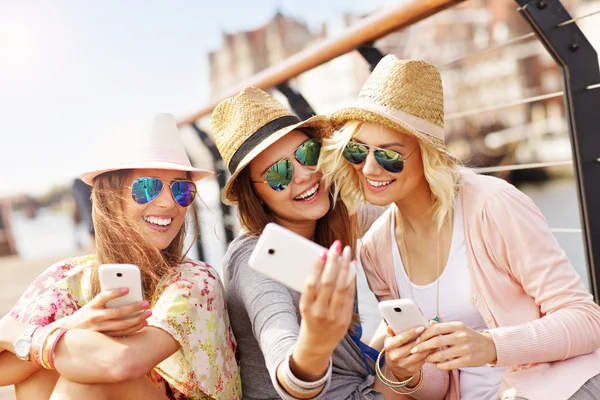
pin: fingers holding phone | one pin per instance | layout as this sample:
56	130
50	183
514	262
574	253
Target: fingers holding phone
398	356
327	302
342	299
119	309
405	323
118	321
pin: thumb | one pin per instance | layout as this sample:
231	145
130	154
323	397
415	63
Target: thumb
390	331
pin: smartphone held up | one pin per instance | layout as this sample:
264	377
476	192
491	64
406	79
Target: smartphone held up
116	276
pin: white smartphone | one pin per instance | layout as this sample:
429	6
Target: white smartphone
285	256
402	315
114	276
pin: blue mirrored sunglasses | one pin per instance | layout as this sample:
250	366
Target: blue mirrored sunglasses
146	189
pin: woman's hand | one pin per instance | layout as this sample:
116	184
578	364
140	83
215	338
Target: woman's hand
327	303
455	345
398	357
118	321
327	306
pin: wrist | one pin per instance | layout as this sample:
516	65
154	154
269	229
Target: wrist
400	378
492	353
313	346
415	381
307	363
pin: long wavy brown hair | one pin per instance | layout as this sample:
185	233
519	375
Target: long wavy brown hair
254	215
119	241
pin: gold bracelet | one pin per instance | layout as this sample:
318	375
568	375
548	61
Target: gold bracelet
384	379
37	345
412	390
45	361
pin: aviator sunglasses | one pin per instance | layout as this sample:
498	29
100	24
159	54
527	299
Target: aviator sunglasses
279	175
391	161
146	189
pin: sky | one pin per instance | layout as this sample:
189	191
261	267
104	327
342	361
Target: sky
68	67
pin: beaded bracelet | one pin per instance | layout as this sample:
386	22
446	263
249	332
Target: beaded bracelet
387	382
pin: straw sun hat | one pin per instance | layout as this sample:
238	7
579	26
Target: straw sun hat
151	142
404	95
246	124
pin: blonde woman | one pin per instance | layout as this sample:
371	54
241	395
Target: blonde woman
474	253
178	343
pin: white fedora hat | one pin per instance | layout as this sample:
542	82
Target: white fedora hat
152	143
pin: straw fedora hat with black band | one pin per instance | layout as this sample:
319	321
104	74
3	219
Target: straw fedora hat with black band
404	95
148	142
246	124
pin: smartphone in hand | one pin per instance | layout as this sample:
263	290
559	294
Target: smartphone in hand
402	315
114	276
285	256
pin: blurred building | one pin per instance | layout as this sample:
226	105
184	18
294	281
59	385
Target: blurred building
457	41
245	53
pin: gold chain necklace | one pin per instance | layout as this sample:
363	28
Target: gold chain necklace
407	266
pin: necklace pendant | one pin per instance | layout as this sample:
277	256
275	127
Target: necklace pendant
437	319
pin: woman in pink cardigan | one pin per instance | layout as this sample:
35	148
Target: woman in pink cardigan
475	254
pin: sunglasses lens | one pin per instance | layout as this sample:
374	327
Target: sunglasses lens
355	153
308	153
184	192
279	175
144	190
389	160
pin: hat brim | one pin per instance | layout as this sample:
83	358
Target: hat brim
197	174
356	113
319	124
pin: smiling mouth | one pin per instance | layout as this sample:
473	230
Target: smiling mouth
162	222
379	183
308	194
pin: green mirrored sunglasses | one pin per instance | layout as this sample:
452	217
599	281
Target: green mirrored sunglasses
391	161
279	175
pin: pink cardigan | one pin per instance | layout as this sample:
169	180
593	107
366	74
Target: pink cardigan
545	324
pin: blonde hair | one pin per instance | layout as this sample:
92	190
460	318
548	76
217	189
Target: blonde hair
441	172
118	241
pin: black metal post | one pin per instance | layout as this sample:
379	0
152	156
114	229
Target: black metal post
579	62
297	102
370	53
221	171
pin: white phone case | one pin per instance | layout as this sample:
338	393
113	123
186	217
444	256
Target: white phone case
402	315
285	256
113	276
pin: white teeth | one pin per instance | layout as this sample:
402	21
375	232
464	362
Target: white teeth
379	183
158	221
308	193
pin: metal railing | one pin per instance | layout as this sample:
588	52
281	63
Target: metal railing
364	32
553	27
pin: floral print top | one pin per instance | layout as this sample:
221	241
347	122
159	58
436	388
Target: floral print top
191	308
